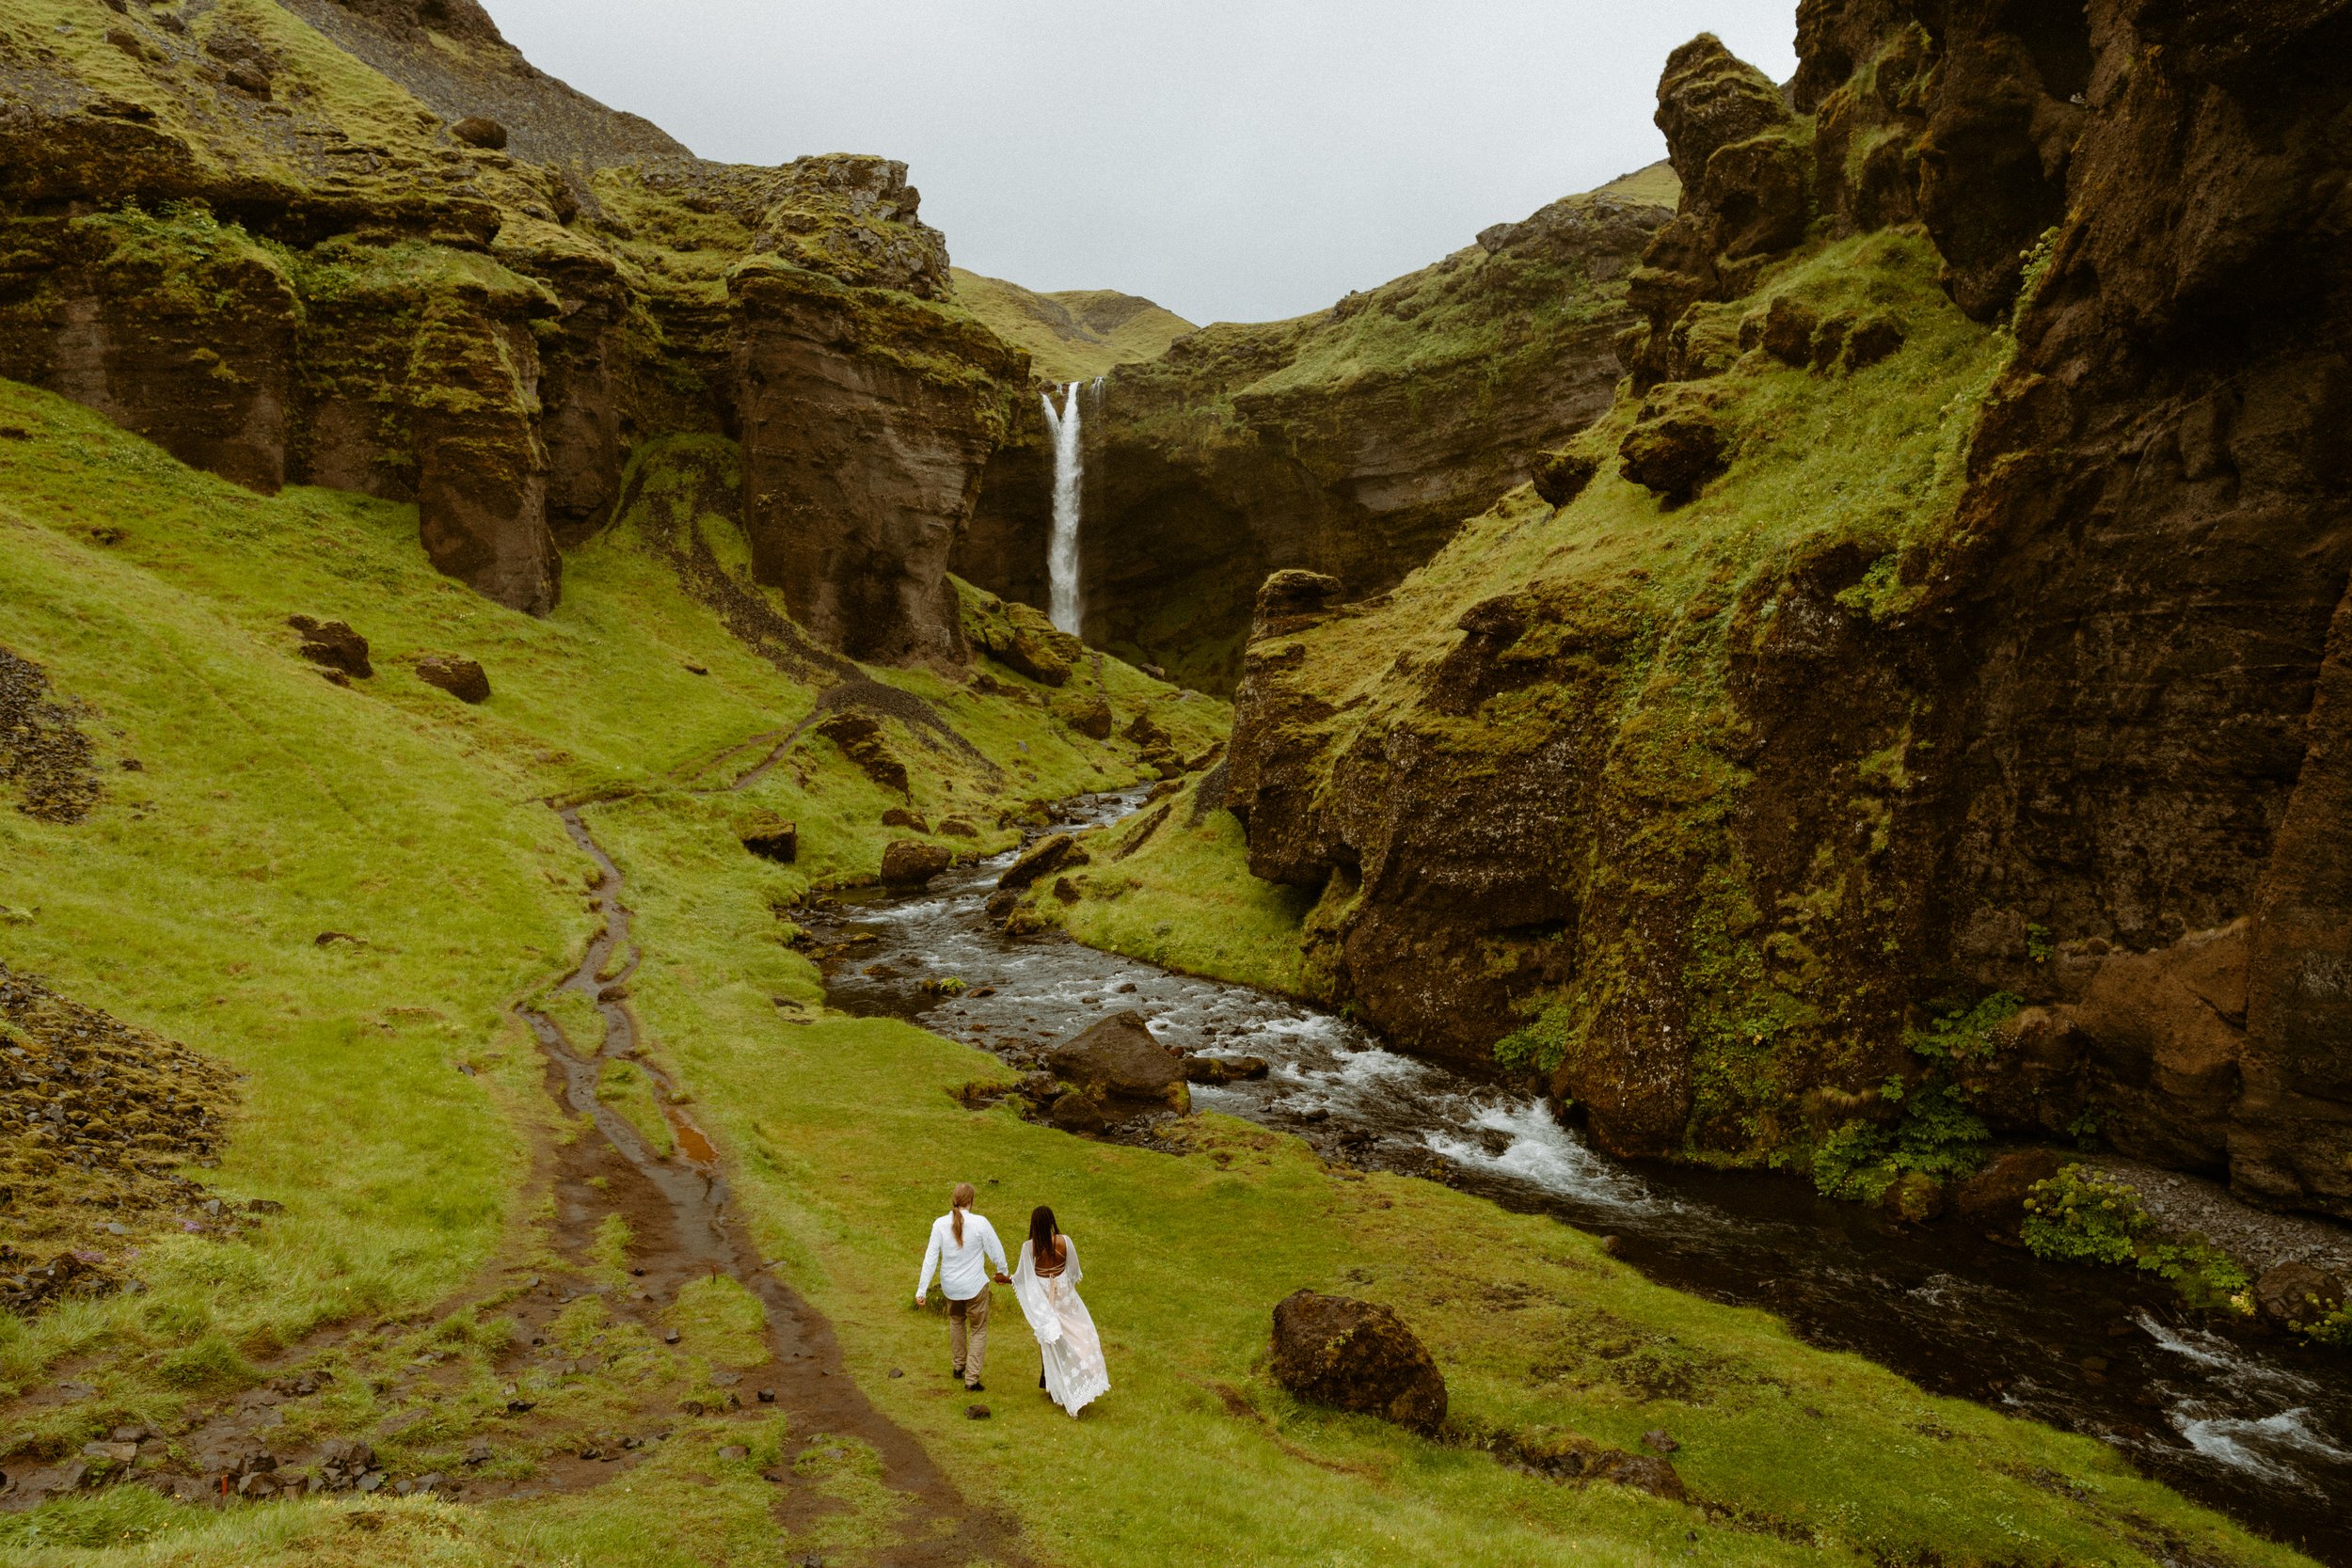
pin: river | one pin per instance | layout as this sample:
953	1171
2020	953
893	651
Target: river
2256	1428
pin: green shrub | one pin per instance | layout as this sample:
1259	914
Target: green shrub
1938	1137
2078	1216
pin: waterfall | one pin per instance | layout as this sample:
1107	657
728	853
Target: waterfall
1061	560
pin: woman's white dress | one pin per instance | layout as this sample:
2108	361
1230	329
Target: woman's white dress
1076	1372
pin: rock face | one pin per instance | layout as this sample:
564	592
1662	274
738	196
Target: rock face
1357	1355
482	305
2064	742
1350	442
1118	1066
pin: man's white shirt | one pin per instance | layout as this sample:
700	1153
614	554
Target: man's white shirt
962	1266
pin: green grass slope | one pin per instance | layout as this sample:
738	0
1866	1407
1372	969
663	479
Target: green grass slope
1073	334
271	805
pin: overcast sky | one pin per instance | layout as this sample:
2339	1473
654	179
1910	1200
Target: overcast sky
1236	160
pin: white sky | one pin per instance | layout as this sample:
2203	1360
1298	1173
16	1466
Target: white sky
1236	160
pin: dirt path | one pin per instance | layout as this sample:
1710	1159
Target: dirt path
685	1226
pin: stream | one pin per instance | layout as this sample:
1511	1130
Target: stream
2258	1428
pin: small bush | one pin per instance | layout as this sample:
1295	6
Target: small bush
2078	1216
1938	1137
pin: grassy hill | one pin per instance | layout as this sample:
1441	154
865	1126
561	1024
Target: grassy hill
422	1272
1073	335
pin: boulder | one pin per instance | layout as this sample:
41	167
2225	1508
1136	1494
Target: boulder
1994	1199
333	644
1223	1070
480	130
1091	716
462	678
1561	476
1675	455
900	816
957	827
1047	855
1357	1355
911	862
2295	1296
1122	1068
1788	328
1874	338
860	737
770	836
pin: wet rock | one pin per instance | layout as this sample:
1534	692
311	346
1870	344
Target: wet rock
1223	1070
2296	1296
768	835
333	645
480	130
910	863
462	678
1120	1065
1001	904
1357	1355
1994	1199
1561	476
1091	716
1047	855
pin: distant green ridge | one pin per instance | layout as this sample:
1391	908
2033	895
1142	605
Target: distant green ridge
1072	333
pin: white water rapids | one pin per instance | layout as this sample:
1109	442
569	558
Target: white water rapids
1061	560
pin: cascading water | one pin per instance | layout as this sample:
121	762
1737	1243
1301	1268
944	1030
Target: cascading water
1061	558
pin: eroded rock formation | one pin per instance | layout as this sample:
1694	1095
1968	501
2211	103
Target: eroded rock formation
2042	762
484	297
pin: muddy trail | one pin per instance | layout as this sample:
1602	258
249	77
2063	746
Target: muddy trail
2255	1426
682	1228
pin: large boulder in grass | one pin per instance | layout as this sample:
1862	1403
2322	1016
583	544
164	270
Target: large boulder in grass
333	645
911	862
1047	855
1357	1355
1119	1066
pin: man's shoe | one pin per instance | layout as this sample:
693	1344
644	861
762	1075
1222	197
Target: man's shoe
955	1372
975	1387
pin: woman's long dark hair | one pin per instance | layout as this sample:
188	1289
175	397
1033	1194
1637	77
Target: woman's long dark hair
1041	1231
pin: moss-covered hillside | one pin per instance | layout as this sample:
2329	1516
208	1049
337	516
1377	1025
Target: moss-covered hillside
1072	334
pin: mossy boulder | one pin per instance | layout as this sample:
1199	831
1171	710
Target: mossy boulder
1357	1355
1122	1068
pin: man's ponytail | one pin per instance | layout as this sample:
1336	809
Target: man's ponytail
957	1201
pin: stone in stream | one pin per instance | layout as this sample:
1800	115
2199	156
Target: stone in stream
1357	1355
911	862
1223	1070
1118	1067
462	678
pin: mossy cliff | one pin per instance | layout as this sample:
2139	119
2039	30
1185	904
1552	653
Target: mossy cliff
1351	441
368	245
1945	630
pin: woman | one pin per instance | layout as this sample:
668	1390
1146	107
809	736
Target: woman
1046	1285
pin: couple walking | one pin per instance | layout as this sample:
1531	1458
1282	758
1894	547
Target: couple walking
963	1246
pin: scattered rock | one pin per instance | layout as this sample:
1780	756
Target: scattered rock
1787	331
1122	1068
333	645
911	862
1874	338
462	678
2296	1296
1657	1441
957	827
734	1452
1066	891
1357	1355
43	749
768	835
977	1412
900	816
249	79
860	737
480	130
1078	1112
1090	715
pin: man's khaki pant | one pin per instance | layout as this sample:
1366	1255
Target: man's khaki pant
967	1334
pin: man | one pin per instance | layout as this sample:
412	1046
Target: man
963	1245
